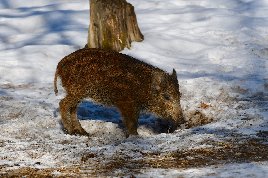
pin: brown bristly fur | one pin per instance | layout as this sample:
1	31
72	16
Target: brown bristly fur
116	79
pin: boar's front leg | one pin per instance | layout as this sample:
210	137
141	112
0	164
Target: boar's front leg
130	115
68	108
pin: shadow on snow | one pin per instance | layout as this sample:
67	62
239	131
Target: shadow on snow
88	110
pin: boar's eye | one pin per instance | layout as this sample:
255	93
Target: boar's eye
166	96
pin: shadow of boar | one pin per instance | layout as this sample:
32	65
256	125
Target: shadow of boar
114	79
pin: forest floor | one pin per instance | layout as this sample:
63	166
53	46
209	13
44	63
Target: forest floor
220	52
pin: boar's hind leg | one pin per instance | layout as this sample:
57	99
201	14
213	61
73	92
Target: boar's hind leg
77	128
64	115
130	118
68	115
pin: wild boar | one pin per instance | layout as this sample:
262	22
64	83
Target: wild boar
114	79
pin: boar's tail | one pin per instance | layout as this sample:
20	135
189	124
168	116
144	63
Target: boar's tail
55	82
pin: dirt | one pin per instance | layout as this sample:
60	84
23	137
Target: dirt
219	153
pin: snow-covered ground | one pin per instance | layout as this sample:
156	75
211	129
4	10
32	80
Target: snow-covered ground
220	51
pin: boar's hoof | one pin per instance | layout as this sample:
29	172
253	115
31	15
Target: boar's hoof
77	131
131	134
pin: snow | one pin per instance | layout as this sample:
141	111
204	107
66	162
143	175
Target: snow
218	48
225	171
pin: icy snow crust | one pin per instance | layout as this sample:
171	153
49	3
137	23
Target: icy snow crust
219	49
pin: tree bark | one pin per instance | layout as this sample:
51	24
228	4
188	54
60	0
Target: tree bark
113	25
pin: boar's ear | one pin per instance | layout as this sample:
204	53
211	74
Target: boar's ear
174	74
157	80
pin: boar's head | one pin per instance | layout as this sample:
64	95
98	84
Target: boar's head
165	101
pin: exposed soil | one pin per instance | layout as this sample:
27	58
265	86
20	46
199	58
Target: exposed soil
235	151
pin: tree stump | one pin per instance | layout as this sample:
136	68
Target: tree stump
113	25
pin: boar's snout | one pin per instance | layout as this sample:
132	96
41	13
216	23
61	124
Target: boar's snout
176	114
167	125
179	119
170	124
174	123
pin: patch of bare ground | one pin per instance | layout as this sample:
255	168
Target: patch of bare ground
70	172
218	153
197	118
